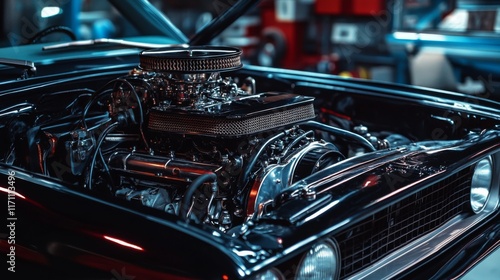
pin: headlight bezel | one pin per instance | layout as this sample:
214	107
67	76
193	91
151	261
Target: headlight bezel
276	273
482	186
329	243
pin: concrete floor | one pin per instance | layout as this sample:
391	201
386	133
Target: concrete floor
488	269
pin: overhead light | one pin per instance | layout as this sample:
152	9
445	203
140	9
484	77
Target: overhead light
50	11
431	37
405	35
412	36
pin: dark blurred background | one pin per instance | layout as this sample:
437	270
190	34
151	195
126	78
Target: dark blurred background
444	44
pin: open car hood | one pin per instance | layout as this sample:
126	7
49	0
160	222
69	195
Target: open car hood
221	22
143	11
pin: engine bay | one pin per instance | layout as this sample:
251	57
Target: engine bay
181	135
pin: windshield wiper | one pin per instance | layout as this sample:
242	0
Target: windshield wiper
107	41
27	66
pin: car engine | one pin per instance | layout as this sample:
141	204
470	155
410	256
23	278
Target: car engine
180	135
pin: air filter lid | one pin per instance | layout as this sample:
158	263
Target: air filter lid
196	59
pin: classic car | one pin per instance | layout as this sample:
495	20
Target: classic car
163	157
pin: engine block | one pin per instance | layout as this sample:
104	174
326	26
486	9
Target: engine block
196	122
182	133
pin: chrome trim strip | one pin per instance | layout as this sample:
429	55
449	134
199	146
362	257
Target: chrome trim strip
429	244
420	249
414	252
119	42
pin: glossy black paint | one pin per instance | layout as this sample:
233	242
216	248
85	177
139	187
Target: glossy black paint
462	257
344	198
58	222
74	222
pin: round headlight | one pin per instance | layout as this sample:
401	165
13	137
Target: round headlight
481	184
321	262
270	274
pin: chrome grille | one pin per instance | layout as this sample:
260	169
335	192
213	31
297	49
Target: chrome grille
393	227
220	126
